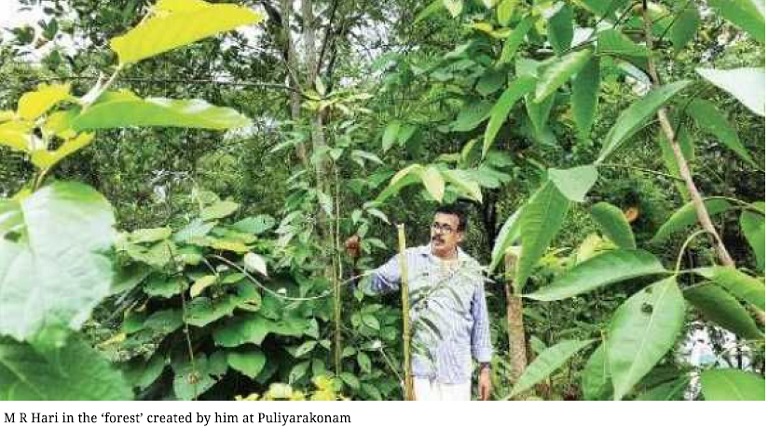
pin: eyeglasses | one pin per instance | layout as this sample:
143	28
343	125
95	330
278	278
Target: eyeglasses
444	228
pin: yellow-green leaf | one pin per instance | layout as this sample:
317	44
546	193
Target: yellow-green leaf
35	103
45	159
434	183
15	134
176	23
233	246
204	282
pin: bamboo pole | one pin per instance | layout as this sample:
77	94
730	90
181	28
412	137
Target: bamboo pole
406	311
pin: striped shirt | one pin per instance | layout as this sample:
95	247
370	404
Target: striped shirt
449	314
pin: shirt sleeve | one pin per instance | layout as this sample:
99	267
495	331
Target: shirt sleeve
482	350
387	277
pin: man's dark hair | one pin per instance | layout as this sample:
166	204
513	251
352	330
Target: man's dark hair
456	210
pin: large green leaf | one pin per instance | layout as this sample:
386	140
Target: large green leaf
634	118
559	72
389	136
732	385
574	183
721	308
539	223
596	377
463	181
515	38
753	227
560	29
641	332
684	27
615	43
434	182
745	84
501	109
249	363
72	372
685	217
538	113
667	391
252	329
711	120
202	311
613	224
507	236
584	96
747	14
53	267
471	116
175	23
547	362
739	284
604	269
406	176
125	109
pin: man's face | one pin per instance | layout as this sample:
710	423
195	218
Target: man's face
445	234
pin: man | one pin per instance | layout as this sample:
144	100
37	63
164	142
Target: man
449	312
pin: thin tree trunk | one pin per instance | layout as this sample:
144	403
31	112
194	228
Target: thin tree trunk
286	10
685	173
518	358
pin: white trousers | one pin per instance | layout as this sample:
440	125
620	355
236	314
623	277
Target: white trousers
425	389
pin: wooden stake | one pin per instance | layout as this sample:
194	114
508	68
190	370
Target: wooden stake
518	359
408	375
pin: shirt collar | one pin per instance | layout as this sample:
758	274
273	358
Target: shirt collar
426	250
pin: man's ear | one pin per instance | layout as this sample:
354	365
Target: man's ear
461	236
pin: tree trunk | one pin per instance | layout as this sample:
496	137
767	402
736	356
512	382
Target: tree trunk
518	358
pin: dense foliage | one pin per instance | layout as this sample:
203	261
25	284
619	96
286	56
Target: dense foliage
174	208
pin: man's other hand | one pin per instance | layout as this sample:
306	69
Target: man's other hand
484	385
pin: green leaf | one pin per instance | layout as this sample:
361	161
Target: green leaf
604	269
613	224
429	10
298	371
746	14
150	235
36	103
634	118
175	24
685	26
641	332
454	7
204	282
503	106
240	331
464	182
547	362
559	72
364	361
711	120
73	372
249	363
508	234
219	210
202	311
56	271
540	222
350	380
471	116
739	284
406	176
390	135
753	228
371	321
732	385
745	84
584	96
538	113
602	7
721	308
560	29
255	224
614	43
574	183
125	109
685	217
434	182
490	82
162	286
514	39
596	377
668	391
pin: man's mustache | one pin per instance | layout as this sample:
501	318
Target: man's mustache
438	238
